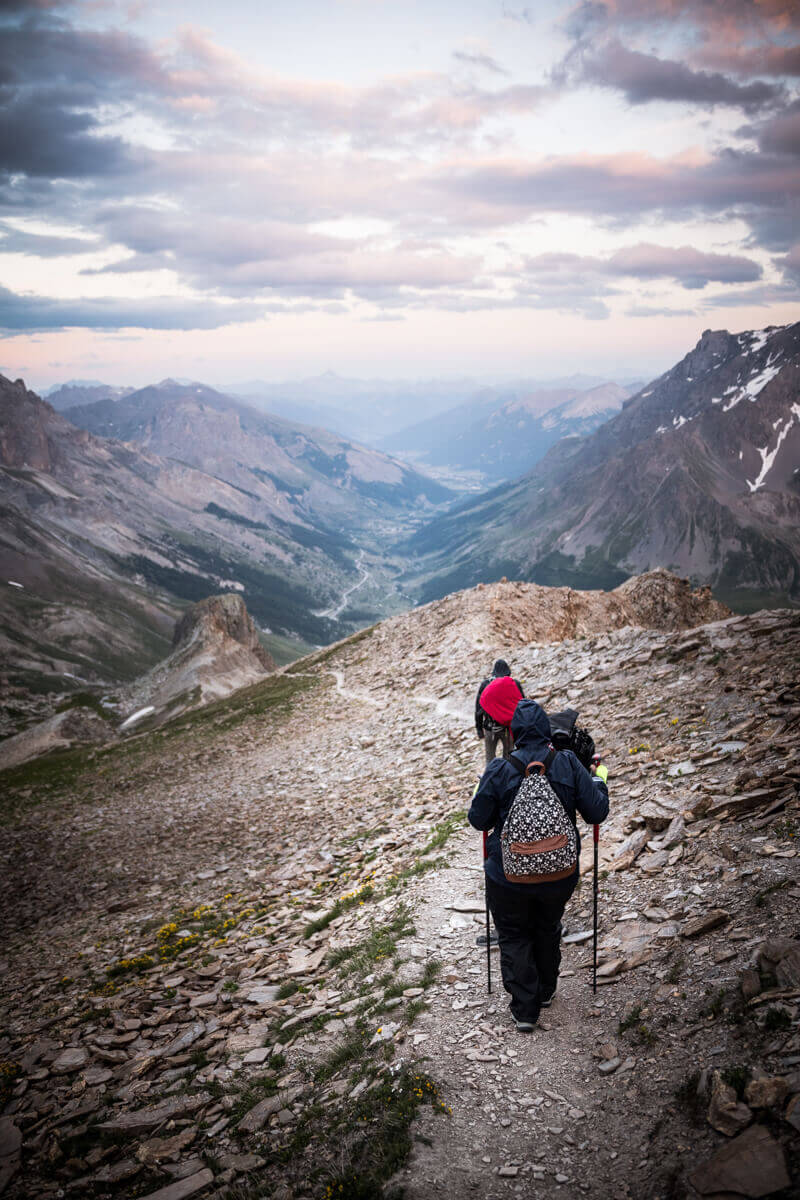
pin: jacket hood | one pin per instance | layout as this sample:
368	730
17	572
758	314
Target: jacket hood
530	725
501	667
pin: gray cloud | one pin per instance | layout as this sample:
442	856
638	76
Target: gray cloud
484	61
40	136
652	310
616	187
643	78
39	313
16	241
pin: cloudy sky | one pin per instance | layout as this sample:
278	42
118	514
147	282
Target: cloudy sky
262	189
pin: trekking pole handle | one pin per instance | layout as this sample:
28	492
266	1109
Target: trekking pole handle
485	843
596	834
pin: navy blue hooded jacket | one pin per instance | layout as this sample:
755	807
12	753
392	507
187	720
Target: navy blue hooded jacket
577	790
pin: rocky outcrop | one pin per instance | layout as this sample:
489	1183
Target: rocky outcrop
500	616
220	618
76	727
216	650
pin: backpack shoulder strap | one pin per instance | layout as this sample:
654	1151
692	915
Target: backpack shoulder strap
518	766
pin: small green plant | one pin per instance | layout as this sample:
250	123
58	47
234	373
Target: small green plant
676	968
716	1006
786	829
286	989
380	1139
230	985
761	897
380	945
777	1020
343	904
630	1020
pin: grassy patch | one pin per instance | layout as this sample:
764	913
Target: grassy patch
444	831
353	1048
380	945
760	898
257	1088
342	905
420	867
377	1139
777	1020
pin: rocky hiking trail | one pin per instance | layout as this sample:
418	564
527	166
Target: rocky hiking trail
239	952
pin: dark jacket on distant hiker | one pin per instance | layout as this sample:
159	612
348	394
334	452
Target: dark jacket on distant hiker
528	916
499	669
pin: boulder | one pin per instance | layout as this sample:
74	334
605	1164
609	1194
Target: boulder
751	1165
725	1113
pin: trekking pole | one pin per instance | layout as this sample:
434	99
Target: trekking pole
488	941
594	930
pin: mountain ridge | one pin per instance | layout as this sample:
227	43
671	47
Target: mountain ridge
672	480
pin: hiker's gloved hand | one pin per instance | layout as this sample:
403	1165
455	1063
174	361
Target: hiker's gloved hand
600	771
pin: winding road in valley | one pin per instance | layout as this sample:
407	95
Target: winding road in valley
336	609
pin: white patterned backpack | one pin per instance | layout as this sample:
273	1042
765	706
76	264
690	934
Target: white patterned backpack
538	840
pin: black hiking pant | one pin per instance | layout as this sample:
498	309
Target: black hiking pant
529	928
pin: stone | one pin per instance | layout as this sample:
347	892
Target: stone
183	1041
508	1171
257	1056
629	850
113	1173
581	935
263	995
69	1060
656	914
654	862
751	1165
183	1187
713	919
750	983
608	970
241	1163
767	1092
257	1117
159	1150
792	1114
725	1113
241	1043
204	1000
94	1076
131	1123
10	1137
610	1065
10	1151
675	834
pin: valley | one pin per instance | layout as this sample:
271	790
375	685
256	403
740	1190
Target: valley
240	949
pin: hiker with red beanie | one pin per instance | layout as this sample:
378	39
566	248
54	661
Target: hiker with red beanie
494	707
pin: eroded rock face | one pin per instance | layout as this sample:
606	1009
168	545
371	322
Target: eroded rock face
221	616
217	650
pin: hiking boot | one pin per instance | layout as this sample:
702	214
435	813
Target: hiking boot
524	1026
494	940
546	1000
